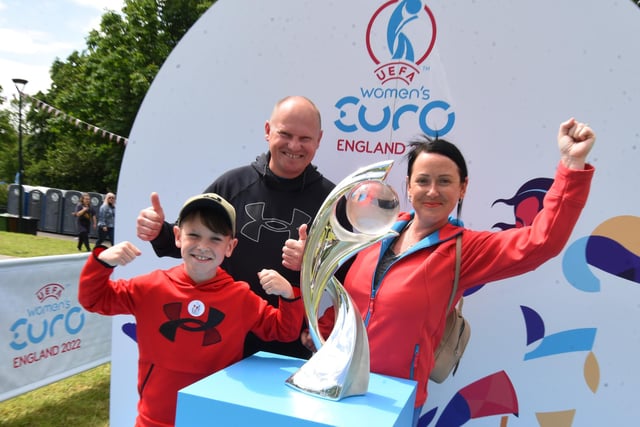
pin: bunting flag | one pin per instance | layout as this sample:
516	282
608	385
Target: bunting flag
43	106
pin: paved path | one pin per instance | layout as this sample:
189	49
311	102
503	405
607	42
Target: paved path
58	236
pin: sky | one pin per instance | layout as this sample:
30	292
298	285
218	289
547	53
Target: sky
33	33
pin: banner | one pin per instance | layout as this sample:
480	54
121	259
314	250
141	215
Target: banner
44	332
81	124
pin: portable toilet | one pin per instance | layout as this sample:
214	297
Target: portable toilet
51	220
35	201
12	199
13	206
70	199
96	202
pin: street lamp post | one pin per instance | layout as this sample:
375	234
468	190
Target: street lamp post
20	84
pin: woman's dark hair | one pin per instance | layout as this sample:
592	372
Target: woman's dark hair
425	144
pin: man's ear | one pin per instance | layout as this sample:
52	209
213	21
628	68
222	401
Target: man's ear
176	234
267	129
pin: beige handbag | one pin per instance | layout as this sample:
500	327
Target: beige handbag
456	332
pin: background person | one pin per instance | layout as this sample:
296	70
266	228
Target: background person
193	318
402	285
107	220
273	197
85	217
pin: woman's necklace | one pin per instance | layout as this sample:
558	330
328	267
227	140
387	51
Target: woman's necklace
405	242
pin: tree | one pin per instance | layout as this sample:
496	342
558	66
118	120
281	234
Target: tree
8	143
103	85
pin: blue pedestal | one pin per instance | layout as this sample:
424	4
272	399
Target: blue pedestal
253	392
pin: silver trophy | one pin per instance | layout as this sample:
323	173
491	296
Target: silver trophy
340	367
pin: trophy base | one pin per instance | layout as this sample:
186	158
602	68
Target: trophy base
253	392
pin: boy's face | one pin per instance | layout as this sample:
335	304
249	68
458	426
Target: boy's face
202	250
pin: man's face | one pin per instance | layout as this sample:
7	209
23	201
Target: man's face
294	134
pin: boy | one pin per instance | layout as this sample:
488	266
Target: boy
193	318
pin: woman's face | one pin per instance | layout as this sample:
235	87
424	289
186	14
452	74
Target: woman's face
434	188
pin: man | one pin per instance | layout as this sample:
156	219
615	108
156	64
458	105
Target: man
273	196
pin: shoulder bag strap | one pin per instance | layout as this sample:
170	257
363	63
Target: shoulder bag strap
457	273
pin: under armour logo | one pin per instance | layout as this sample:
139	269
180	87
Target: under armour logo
170	328
255	211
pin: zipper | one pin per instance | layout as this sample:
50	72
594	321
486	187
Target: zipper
414	361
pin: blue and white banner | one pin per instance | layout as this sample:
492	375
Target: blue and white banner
44	332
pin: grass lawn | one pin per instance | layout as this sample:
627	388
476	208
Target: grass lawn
28	245
80	400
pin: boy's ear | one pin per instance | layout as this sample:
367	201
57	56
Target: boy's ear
176	235
232	245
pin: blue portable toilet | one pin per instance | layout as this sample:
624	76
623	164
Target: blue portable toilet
27	225
35	201
51	219
70	199
12	199
13	206
96	202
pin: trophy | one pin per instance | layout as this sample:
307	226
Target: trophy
340	367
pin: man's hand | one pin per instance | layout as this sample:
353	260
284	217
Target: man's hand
150	220
293	250
307	341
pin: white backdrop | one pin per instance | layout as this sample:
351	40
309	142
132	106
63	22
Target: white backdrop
496	77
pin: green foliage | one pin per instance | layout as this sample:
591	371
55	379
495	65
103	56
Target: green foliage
8	145
4	196
102	85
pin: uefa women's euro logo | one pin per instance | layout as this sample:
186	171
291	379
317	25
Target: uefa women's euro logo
400	36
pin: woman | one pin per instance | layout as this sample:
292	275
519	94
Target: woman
86	216
106	219
402	285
